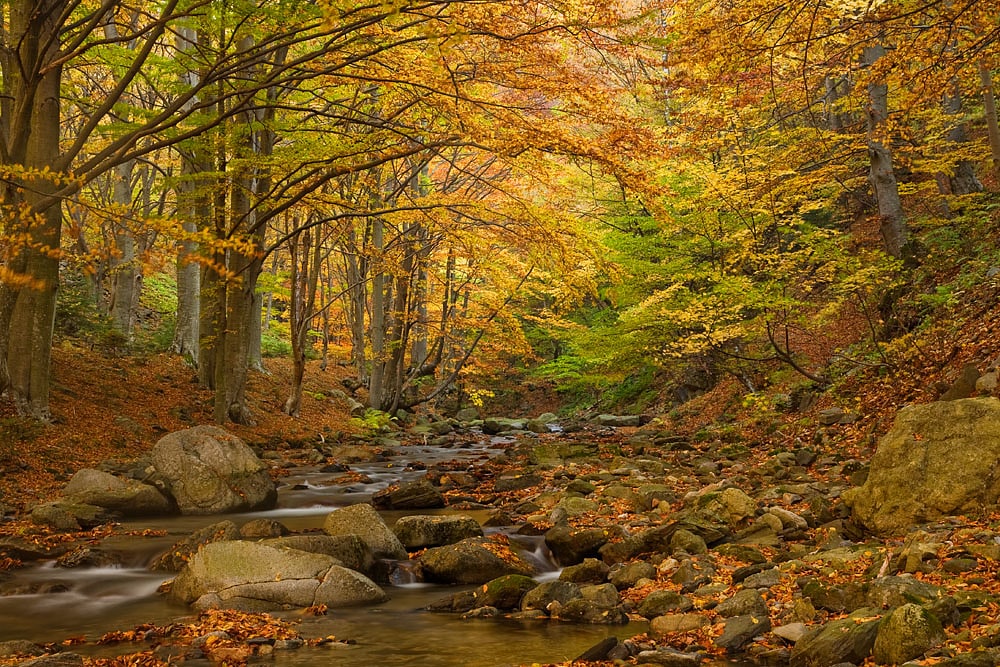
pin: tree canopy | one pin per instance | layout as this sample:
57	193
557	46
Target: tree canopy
446	189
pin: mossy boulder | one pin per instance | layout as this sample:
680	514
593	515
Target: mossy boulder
938	459
905	633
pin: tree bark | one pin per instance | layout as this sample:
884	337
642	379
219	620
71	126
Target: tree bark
892	221
32	79
990	112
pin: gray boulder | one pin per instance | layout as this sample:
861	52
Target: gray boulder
590	571
208	470
254	576
906	633
571	545
350	550
471	561
417	495
936	460
619	421
504	592
19	647
174	558
747	602
739	631
362	520
543	595
671	623
129	497
68	515
422	530
660	603
845	640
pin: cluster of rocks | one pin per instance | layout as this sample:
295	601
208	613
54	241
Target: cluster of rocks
197	471
720	548
762	556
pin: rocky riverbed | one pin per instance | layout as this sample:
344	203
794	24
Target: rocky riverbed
720	550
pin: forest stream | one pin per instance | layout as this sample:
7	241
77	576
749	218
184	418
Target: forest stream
47	603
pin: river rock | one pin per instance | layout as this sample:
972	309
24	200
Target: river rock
19	548
906	633
619	421
845	640
517	482
686	541
19	647
471	561
570	546
936	460
504	592
582	610
629	575
669	657
362	520
672	623
67	515
834	597
660	603
88	556
65	659
599	651
543	595
732	505
127	497
263	528
791	632
174	558
739	631
747	602
419	531
888	592
208	470
417	495
350	550
590	571
254	576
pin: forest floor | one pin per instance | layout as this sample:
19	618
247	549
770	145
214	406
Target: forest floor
115	407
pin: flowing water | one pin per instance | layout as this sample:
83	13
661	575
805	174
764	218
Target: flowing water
47	603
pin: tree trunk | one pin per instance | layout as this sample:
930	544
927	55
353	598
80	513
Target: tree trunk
837	88
356	302
379	317
195	210
990	112
27	310
126	276
892	221
306	259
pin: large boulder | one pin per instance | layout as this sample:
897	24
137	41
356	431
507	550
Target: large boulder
210	471
423	530
936	460
69	515
907	632
129	497
350	550
362	520
471	561
845	640
255	576
174	558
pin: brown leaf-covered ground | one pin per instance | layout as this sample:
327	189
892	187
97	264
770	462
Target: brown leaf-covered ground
116	407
